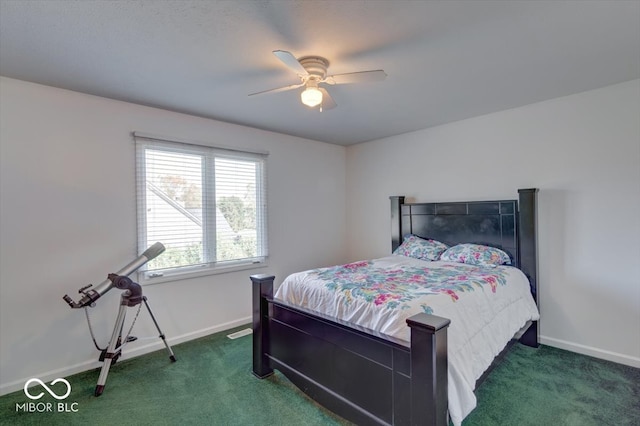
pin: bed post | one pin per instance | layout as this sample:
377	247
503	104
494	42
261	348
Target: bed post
396	220
262	289
528	252
429	395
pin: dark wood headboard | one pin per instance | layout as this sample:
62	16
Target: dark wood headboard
507	224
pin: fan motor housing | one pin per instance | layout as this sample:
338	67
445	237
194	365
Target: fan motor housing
316	66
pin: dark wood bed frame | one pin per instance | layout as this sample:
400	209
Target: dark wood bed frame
370	378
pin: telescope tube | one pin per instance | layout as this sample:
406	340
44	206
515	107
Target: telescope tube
96	292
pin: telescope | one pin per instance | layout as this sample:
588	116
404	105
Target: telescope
132	296
90	295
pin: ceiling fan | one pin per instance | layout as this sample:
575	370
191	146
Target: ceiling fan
312	71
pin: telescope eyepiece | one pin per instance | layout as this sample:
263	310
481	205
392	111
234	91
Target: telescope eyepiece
69	301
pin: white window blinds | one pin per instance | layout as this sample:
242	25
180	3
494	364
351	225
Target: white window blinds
206	205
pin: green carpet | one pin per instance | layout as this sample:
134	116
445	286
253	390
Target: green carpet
211	384
549	386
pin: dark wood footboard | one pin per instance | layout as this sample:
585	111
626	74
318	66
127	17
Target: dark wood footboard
359	374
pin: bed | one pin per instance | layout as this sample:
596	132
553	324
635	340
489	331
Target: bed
401	373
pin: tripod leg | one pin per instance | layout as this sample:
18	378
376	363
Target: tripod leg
111	349
171	355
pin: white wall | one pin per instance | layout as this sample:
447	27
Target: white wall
68	217
583	152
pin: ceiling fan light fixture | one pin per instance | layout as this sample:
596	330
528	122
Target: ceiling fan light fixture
311	96
312	71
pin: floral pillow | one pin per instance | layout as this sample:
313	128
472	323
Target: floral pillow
476	254
420	248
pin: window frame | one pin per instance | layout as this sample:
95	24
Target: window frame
209	152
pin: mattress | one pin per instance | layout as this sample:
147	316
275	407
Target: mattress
487	306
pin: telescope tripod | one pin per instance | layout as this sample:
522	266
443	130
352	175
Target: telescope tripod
113	351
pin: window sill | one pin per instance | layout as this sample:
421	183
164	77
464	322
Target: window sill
178	276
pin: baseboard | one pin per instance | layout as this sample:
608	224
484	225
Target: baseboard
591	351
47	376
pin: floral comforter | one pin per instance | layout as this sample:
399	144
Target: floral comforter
486	306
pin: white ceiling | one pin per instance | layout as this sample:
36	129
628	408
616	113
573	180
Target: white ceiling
445	60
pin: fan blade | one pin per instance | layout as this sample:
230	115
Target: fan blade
289	60
356	77
327	100
279	89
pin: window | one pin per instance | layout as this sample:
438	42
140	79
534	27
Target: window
206	205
